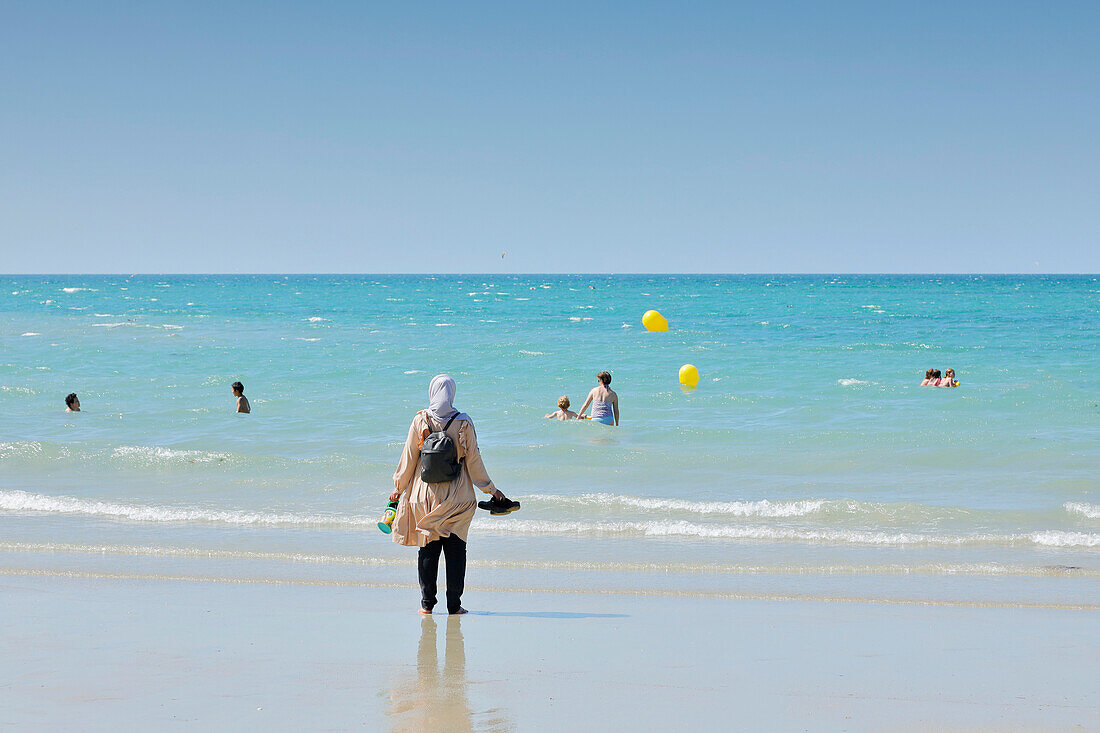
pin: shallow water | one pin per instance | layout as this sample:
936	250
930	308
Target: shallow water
807	458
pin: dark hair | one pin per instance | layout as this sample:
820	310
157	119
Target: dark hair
604	377
936	374
70	399
239	387
928	374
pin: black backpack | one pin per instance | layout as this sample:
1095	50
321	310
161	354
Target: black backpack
439	462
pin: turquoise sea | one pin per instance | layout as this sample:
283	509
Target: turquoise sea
808	463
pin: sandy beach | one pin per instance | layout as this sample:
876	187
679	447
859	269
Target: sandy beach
103	653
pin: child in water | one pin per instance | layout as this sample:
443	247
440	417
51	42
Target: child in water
242	401
72	403
563	412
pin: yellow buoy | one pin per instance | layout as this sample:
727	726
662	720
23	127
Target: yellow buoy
654	321
689	375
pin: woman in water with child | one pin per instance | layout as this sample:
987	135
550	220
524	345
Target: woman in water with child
604	401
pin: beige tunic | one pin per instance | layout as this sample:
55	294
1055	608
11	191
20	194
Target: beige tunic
427	512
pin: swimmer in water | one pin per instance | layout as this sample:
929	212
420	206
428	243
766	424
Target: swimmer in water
242	401
604	401
927	378
563	412
72	403
949	379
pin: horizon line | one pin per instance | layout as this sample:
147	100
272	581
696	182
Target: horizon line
543	274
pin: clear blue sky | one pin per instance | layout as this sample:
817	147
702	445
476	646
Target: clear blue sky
578	137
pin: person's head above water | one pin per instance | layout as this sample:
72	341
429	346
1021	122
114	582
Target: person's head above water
936	374
441	397
238	389
605	378
950	374
563	402
928	374
72	402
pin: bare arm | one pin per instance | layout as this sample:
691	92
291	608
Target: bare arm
587	402
615	407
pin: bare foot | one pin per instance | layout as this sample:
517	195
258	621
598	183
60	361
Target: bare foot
460	611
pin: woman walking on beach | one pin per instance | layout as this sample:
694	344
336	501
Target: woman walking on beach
435	515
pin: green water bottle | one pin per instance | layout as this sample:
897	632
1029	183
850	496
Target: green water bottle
386	525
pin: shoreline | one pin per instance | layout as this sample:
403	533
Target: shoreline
623	592
95	653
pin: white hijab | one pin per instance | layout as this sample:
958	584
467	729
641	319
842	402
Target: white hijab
441	395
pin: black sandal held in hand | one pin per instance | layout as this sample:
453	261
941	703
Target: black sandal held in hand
499	506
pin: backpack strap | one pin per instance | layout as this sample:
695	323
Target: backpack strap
450	421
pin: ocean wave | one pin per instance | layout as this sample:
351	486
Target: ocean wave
1054	538
761	508
849	382
157	454
32	333
23	501
1092	511
786	534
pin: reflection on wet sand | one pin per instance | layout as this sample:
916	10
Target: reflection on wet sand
437	700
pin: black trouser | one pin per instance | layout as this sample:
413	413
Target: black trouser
427	565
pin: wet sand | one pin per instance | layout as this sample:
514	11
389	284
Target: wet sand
104	654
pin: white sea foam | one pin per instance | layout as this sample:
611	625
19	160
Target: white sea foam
32	333
762	508
850	382
532	353
307	339
22	501
77	290
784	534
1092	511
444	324
316	319
171	327
158	454
1066	539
